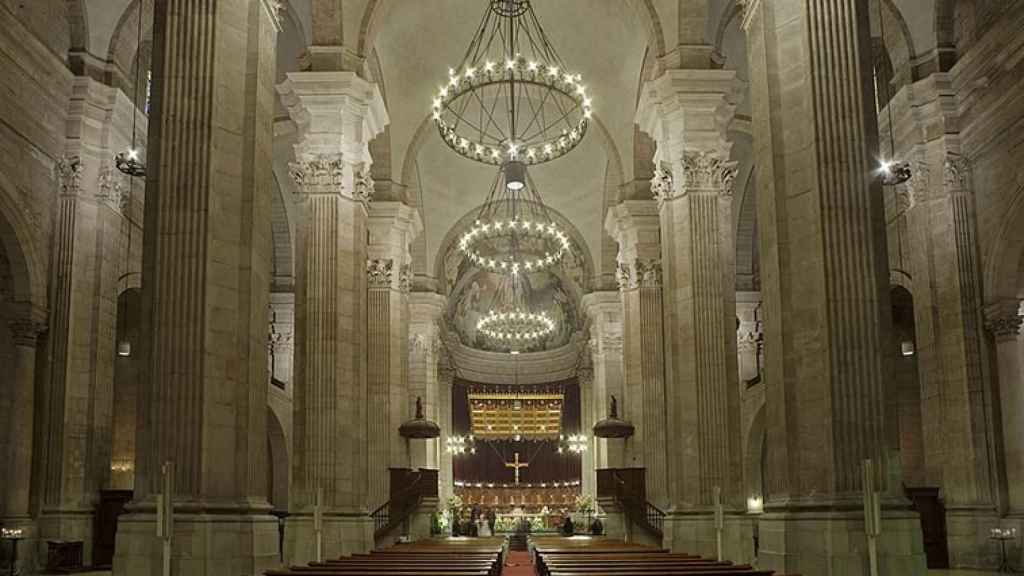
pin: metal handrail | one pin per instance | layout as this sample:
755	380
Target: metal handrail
384	518
642	511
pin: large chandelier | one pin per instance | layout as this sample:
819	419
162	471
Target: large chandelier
511	324
513	231
511	100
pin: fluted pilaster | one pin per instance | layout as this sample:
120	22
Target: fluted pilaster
604	315
336	114
25	328
1003	321
687	112
392	228
634	225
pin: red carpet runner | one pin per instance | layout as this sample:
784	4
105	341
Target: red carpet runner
518	564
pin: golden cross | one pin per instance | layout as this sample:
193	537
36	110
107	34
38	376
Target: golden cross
517	465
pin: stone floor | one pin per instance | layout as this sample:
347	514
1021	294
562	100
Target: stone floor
507	571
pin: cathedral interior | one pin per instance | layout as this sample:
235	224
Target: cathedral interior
291	279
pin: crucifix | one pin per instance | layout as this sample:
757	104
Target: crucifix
516	465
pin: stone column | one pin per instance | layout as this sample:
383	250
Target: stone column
205	291
392	227
604	314
585	377
25	327
77	404
445	383
687	113
936	223
425	310
1003	321
634	225
337	114
825	288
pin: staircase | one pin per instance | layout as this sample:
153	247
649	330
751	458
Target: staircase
625	488
408	490
518	541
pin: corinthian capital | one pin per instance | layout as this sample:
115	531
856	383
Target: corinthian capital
1003	320
956	169
662	184
319	174
25	331
68	171
379	272
706	171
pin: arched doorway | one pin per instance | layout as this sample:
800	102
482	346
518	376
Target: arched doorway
903	400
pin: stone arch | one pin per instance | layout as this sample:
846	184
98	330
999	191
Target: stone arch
753	459
124	45
747	249
78	20
282	260
732	12
17	236
376	12
1004	264
900	54
904	426
278	461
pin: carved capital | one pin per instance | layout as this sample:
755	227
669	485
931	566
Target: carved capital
364	185
68	171
316	174
955	172
625	277
916	188
113	189
405	278
662	184
379	272
708	172
639	273
649	273
26	332
1003	320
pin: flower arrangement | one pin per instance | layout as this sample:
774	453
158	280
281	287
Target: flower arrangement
454	503
584	503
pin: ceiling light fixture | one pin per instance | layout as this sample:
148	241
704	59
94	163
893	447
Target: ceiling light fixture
512	99
513	232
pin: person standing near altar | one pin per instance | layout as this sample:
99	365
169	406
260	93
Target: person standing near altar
492	519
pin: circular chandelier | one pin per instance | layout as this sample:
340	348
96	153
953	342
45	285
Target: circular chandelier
513	231
515	326
511	100
511	324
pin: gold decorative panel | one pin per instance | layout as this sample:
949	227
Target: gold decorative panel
496	415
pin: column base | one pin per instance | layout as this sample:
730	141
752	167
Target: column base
28	547
204	544
694	533
69	525
967	535
833	542
343	535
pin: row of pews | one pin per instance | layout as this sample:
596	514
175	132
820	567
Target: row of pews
584	556
447	557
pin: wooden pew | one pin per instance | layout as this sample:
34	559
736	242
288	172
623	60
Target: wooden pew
585	557
454	557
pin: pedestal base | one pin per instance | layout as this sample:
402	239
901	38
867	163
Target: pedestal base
203	545
695	534
834	543
68	525
967	535
28	561
343	535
